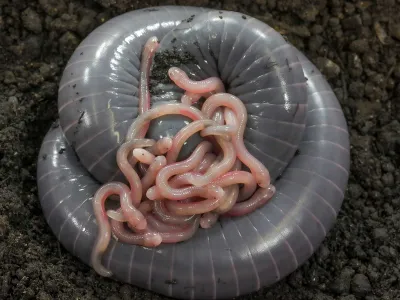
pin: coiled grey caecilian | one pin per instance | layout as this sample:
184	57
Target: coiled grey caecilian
296	128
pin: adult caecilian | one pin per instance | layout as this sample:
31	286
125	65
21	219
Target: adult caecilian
296	128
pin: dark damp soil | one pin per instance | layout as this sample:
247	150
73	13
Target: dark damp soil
356	45
162	62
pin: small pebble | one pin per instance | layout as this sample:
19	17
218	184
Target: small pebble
355	190
388	179
323	253
352	22
13	100
68	43
327	67
366	18
308	14
301	31
31	20
381	34
355	64
380	80
43	296
357	214
86	25
65	23
24	174
359	252
376	195
360	285
371	59
359	46
386	251
9	77
315	42
380	233
389	138
387	192
317	29
356	89
396	202
53	7
30	48
341	285
28	294
388	208
295	280
373	275
126	292
388	167
372	91
349	8
334	22
48	70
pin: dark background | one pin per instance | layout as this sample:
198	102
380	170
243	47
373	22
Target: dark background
354	43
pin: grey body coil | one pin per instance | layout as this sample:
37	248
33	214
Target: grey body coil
291	108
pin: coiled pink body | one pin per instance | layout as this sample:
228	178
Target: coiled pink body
171	198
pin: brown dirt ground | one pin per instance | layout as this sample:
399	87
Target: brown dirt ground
355	43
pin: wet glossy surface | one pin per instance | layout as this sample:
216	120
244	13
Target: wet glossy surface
98	101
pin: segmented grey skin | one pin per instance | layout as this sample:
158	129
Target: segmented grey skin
98	101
